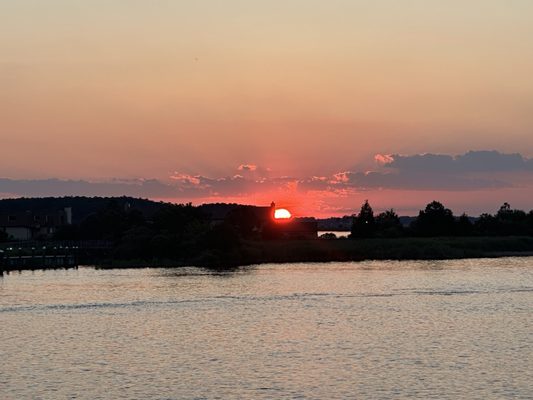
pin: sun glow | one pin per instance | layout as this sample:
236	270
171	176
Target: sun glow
282	213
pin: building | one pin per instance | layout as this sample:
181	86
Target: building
218	213
30	225
293	228
261	220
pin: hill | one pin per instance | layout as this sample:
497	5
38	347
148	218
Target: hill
81	206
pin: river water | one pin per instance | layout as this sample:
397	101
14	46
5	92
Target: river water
370	330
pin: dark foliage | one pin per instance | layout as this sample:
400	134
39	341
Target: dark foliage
244	221
154	232
108	223
364	222
463	226
82	206
222	237
434	220
506	222
388	224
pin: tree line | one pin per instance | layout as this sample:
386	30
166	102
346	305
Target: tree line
437	220
144	230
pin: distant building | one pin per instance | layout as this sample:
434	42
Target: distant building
258	217
295	228
30	225
263	219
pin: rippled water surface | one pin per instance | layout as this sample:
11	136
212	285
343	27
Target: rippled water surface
372	330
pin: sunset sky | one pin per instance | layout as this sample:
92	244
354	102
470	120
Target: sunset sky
317	105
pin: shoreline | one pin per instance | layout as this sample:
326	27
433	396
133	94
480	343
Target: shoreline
322	250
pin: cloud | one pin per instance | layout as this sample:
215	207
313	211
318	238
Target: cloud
186	179
493	161
417	181
474	170
472	161
247	167
59	187
383	159
341	177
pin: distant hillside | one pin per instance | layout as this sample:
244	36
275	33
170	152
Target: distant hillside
220	210
406	221
345	223
81	206
335	223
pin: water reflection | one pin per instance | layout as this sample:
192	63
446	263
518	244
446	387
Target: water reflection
444	329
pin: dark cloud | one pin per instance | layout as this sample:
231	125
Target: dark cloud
472	161
247	167
416	181
492	161
58	187
470	171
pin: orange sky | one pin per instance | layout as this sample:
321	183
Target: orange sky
148	89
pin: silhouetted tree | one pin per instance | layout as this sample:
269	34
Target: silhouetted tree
506	222
506	213
505	208
245	221
388	224
107	223
464	226
222	237
486	224
364	223
135	244
177	218
434	220
529	222
511	221
165	246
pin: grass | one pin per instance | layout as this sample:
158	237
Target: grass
387	249
321	250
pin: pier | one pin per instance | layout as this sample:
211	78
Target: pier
30	255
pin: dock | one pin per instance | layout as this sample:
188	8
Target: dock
31	255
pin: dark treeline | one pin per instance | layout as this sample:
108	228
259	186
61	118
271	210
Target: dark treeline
179	232
83	206
155	232
136	229
437	220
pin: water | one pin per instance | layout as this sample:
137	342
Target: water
372	330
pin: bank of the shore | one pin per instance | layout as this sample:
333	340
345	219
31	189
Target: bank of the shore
320	250
380	249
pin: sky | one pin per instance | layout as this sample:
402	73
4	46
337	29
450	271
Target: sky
317	105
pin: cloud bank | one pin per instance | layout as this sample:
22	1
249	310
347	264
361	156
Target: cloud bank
472	161
472	171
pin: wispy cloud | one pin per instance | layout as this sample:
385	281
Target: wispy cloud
186	179
472	161
247	167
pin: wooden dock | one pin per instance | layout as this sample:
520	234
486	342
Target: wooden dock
43	255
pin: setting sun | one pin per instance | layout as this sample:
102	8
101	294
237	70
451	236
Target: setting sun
282	213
